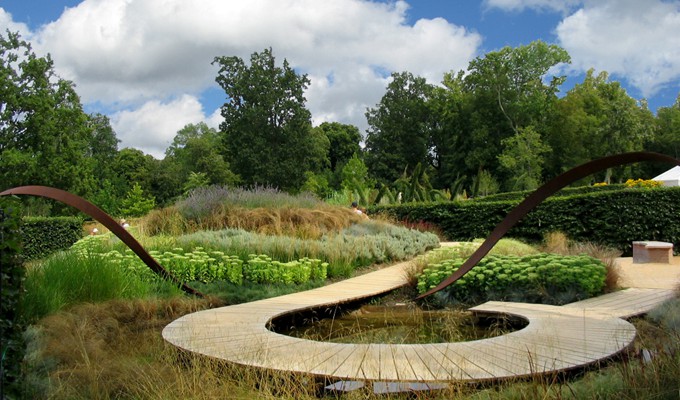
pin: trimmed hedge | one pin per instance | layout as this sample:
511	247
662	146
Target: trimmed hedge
611	218
568	191
11	287
43	236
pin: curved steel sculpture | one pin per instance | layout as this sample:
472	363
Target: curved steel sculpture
102	217
538	197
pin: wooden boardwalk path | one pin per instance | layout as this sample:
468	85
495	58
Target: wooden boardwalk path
556	338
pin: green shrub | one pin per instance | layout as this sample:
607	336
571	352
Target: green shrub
11	285
207	266
610	218
43	236
541	278
135	204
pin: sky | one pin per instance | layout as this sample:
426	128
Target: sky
146	64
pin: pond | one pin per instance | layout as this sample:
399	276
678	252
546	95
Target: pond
393	324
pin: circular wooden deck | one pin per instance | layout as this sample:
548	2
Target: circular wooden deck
556	338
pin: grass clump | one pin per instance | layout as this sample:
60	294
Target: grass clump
262	210
67	278
115	350
201	201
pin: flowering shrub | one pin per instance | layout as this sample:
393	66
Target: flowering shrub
262	269
630	183
212	266
545	278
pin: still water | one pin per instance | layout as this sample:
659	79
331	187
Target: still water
407	324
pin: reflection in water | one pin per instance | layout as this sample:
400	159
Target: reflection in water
399	325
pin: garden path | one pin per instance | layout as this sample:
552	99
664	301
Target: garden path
556	338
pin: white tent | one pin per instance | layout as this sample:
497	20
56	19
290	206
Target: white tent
670	177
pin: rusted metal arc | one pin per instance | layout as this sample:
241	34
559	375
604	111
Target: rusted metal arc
99	215
538	197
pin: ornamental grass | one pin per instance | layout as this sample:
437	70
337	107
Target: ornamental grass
115	350
262	210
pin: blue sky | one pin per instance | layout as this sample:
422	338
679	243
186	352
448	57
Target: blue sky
146	63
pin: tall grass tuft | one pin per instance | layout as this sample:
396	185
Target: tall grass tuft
68	278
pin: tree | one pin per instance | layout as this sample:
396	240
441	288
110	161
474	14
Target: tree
102	147
355	178
44	133
665	137
594	119
485	184
107	197
195	181
135	204
399	132
509	92
512	79
196	149
317	184
355	172
450	110
415	188
522	159
344	141
132	166
267	131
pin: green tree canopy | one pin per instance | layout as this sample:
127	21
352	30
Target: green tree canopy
267	129
399	128
522	159
102	146
344	141
133	166
512	81
196	148
44	134
595	118
135	204
508	91
665	137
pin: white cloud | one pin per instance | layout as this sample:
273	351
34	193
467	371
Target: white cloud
152	126
631	39
125	53
345	94
7	23
541	5
215	119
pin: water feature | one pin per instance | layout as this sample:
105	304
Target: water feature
396	324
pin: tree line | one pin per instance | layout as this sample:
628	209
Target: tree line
501	125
